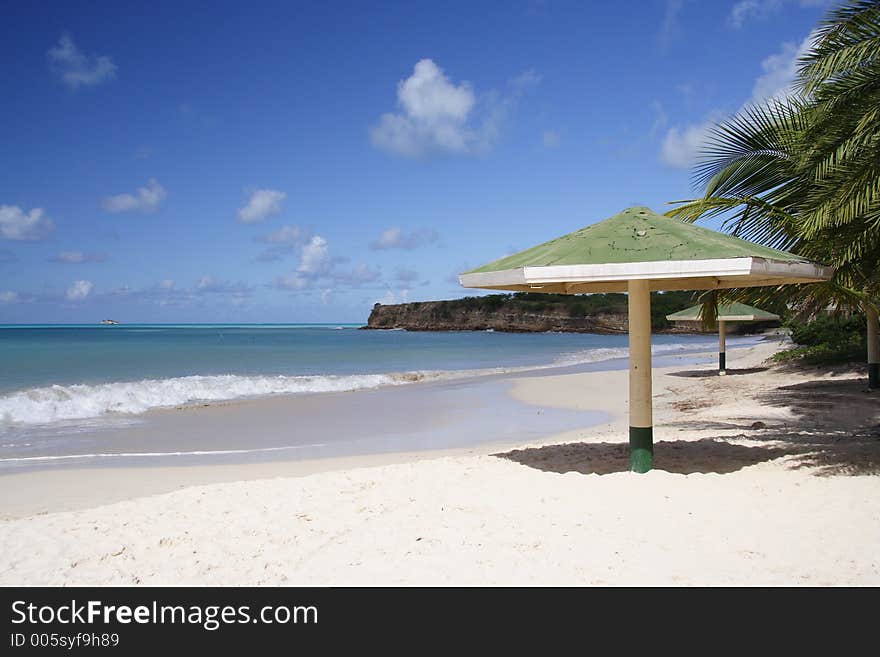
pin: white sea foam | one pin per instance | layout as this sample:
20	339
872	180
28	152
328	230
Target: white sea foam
101	455
80	401
608	353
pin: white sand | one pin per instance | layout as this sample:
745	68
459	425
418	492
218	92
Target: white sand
792	502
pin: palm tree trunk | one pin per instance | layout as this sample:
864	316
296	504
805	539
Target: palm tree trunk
873	347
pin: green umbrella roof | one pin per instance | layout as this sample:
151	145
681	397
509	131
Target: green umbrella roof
636	235
639	244
733	312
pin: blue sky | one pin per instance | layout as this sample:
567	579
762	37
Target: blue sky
298	162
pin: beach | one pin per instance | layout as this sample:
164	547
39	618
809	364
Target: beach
767	476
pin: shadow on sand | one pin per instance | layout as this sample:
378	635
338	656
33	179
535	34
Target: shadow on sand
677	456
831	434
701	374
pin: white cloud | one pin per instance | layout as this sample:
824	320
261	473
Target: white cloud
147	199
8	297
316	266
391	297
292	282
406	279
526	80
76	68
388	298
780	70
669	28
389	239
745	10
262	203
439	115
79	290
428	95
434	114
742	11
682	144
365	274
207	288
16	224
77	257
315	258
551	139
395	238
283	242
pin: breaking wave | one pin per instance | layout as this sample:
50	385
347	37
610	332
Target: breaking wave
80	401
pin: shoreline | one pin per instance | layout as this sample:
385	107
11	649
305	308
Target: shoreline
55	444
61	405
750	468
56	486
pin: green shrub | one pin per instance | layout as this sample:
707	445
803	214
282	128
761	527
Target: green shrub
582	305
828	330
827	340
577	310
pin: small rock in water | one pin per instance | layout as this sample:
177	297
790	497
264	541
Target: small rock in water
758	425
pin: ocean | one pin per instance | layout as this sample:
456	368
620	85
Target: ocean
60	381
51	373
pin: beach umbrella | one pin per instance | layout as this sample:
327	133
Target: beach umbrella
734	312
638	251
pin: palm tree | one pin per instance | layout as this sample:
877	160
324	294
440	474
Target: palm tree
804	174
841	77
841	74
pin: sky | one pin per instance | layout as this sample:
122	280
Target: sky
301	161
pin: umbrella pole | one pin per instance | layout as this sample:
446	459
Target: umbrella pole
873	348
722	347
641	432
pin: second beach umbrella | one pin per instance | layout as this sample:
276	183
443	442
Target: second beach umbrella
733	312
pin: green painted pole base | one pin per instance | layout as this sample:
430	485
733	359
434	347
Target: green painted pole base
722	362
874	375
641	449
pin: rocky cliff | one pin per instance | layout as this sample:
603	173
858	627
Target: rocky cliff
435	316
600	313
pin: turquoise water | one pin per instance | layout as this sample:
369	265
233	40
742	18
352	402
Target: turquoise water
40	355
51	374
